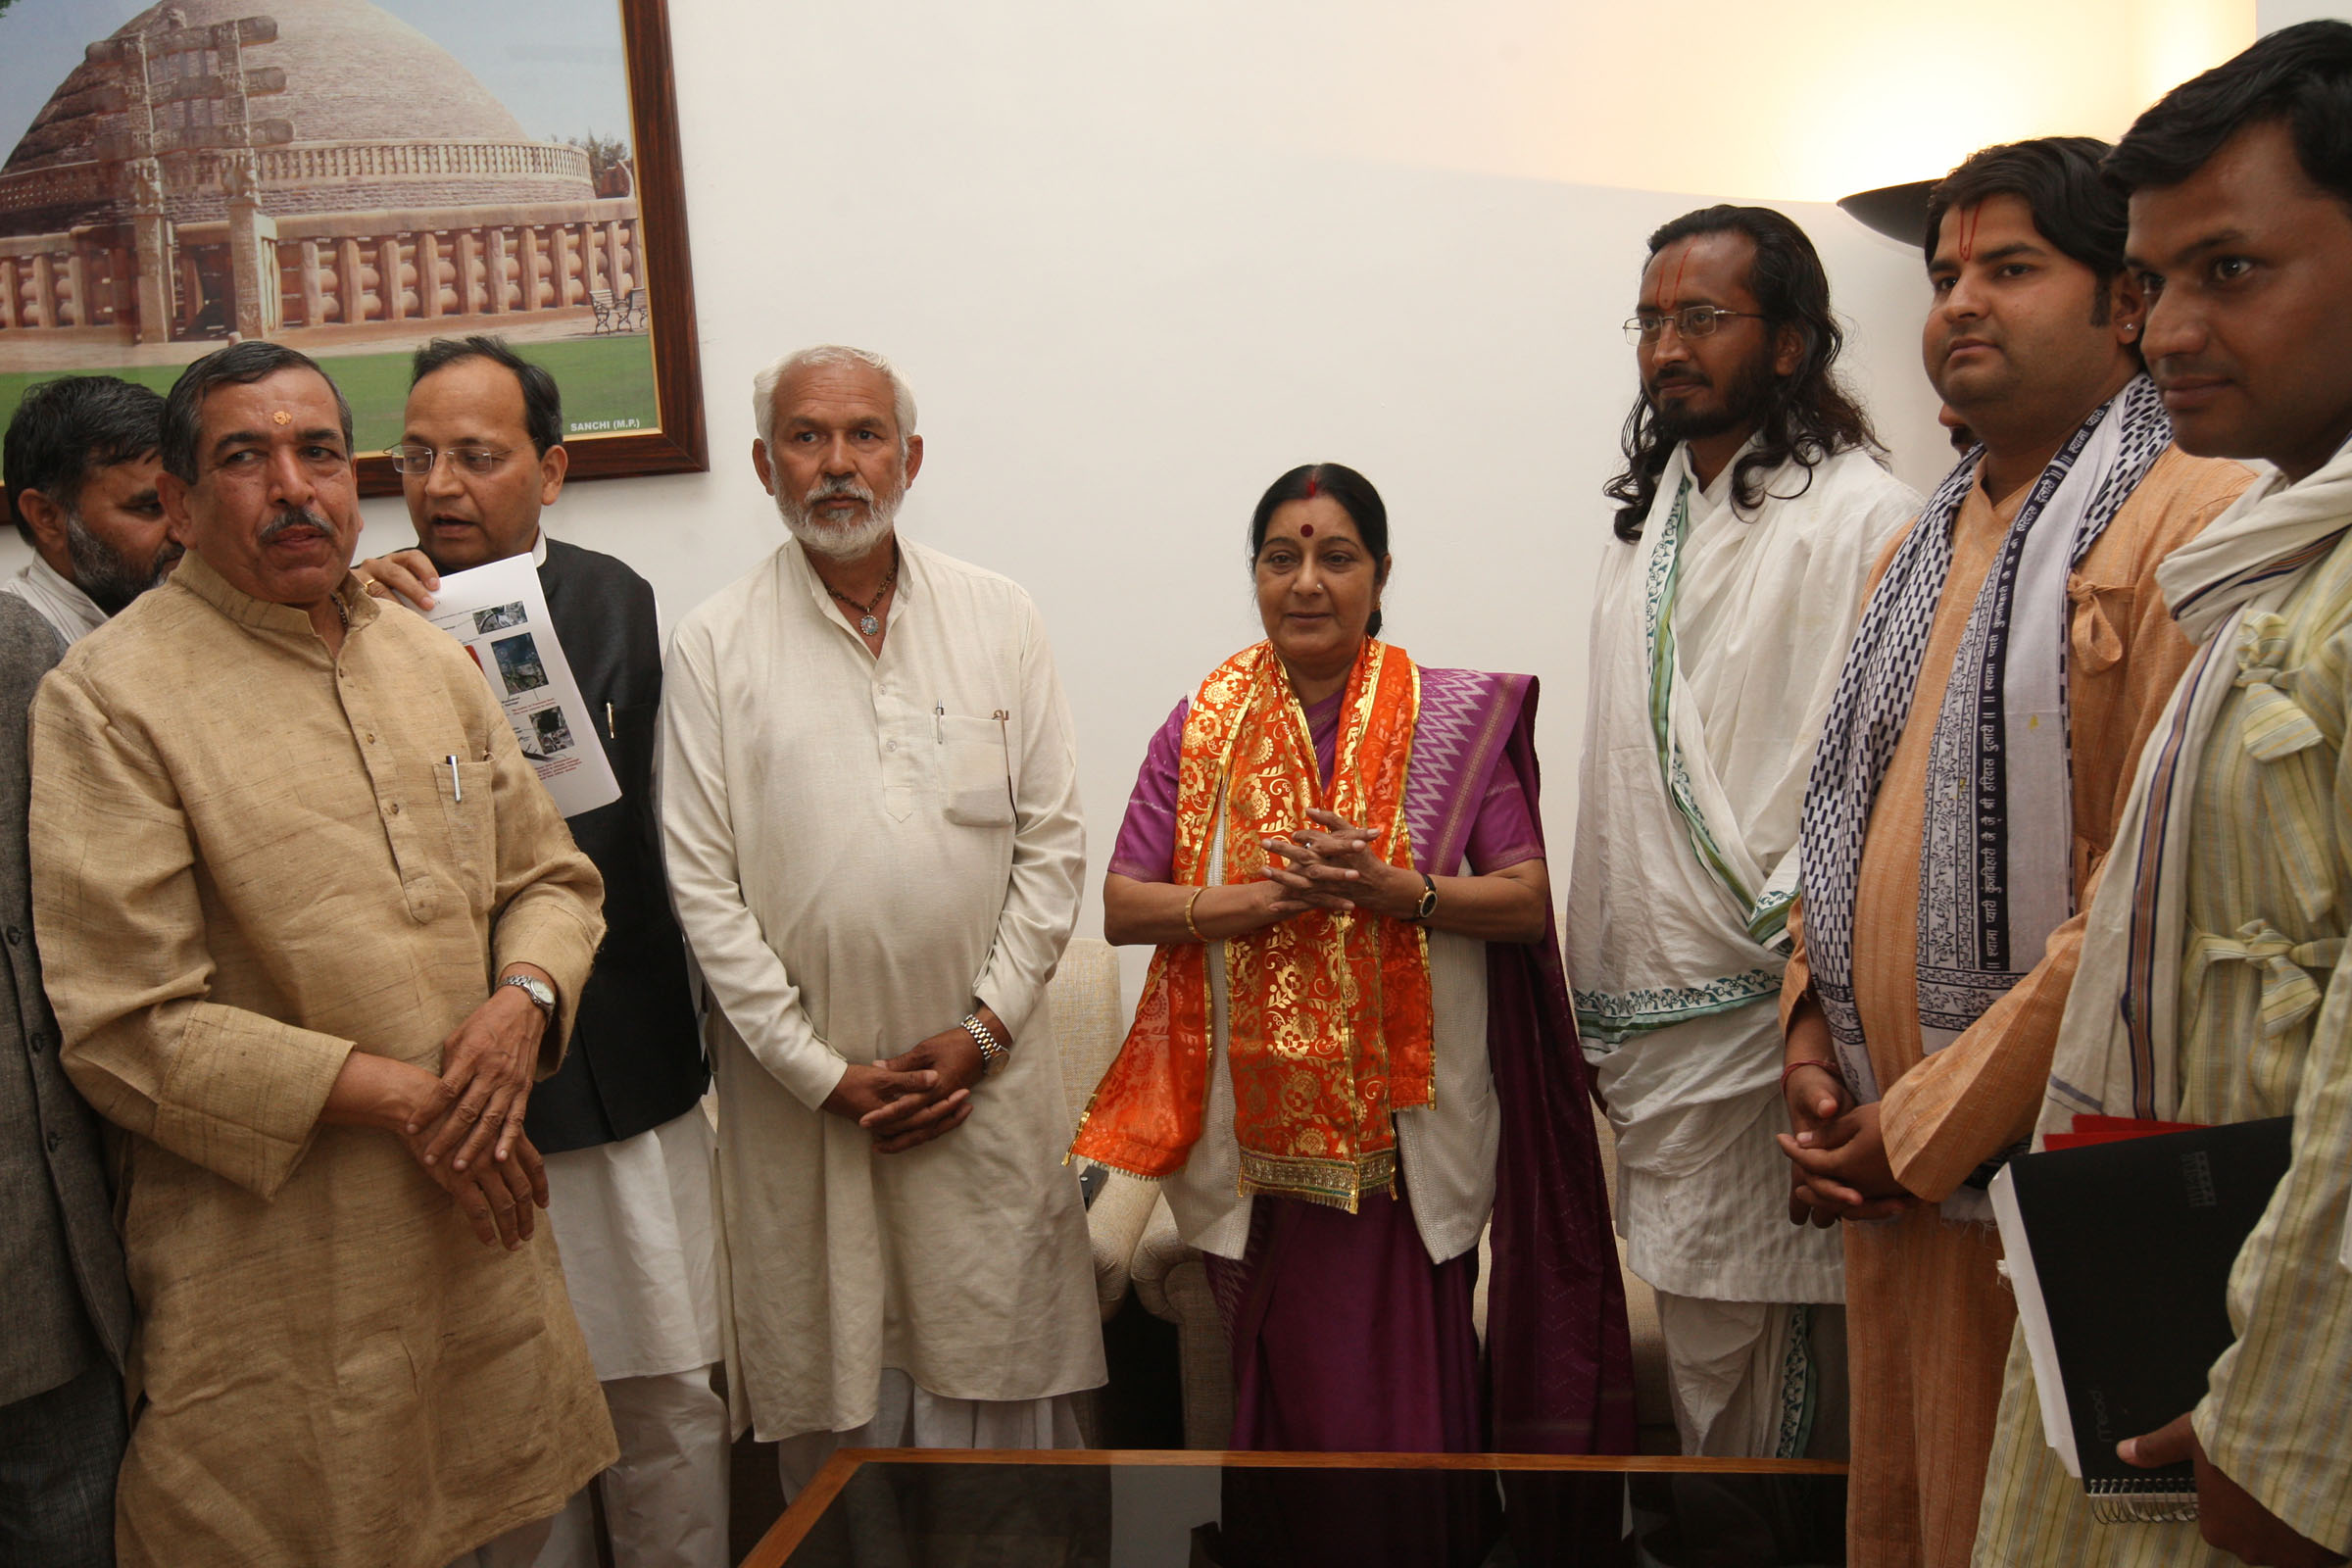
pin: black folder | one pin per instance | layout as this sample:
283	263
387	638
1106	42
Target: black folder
2121	1254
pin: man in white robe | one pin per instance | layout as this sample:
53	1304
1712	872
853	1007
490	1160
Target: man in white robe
1753	509
871	812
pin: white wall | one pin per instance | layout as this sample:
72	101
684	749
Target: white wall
1137	260
1121	326
2272	15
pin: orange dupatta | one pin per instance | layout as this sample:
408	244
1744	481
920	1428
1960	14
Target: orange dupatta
1328	1015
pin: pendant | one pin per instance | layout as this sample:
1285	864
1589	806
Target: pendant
869	625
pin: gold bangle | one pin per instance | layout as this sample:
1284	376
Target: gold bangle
1188	915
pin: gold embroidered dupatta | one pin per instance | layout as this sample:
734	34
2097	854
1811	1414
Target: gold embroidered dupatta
1328	1015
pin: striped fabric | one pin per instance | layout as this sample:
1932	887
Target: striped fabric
2265	1031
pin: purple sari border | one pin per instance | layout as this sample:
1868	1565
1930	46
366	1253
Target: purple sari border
1466	722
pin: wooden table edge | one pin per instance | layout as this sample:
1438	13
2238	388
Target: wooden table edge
793	1525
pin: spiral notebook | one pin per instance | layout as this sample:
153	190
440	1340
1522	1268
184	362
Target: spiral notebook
2119	1252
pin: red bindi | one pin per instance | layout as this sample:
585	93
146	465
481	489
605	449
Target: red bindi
1306	531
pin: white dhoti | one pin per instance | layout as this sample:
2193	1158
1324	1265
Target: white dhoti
910	1417
1756	1378
635	1223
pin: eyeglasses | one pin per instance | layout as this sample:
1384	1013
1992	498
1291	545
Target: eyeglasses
1691	320
418	460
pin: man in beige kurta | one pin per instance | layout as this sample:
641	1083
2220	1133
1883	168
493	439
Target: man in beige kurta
1927	1316
870	807
285	850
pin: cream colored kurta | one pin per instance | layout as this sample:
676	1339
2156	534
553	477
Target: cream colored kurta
249	860
1928	1317
2268	862
862	849
1767	603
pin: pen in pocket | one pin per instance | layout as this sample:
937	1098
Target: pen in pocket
457	785
611	733
938	723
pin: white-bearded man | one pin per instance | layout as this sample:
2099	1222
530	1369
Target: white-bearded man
871	804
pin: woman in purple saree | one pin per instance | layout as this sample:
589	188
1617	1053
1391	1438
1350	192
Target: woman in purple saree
1351	1321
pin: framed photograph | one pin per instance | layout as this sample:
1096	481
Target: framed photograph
352	179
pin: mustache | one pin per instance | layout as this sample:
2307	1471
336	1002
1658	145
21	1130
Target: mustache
1665	380
838	490
291	518
2173	367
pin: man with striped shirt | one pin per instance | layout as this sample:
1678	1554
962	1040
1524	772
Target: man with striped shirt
2230	864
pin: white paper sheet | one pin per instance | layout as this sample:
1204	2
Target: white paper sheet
499	615
2057	1425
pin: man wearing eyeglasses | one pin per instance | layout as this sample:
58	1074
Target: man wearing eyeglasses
621	1126
1752	504
2016	653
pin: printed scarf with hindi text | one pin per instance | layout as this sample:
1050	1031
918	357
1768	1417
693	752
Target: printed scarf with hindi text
1996	870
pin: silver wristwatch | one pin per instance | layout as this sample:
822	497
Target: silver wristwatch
539	991
992	1051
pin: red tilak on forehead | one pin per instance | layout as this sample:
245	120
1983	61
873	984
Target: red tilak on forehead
1674	296
1968	231
1306	531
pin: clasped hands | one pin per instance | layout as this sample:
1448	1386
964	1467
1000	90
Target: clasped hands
1335	869
474	1107
1836	1152
919	1094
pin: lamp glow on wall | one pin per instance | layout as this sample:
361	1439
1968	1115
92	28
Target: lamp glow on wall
2168	42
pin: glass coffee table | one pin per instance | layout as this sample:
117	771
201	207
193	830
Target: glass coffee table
1183	1508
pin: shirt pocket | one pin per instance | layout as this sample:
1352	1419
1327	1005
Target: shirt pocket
975	777
465	788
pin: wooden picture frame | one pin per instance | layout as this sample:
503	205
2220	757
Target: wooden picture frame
225	168
680	444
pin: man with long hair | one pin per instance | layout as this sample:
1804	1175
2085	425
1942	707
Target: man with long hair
2014	653
2240	209
1752	506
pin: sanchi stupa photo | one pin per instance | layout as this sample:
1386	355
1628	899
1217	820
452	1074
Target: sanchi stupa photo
319	172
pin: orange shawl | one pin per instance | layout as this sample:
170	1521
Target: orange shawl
1328	1015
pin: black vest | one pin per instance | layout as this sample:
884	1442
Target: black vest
636	1059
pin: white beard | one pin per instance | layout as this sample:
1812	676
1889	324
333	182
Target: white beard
839	541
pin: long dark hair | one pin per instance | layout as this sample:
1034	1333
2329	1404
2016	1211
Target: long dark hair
1357	497
1807	415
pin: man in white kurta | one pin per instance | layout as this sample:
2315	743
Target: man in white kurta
873	837
1717	638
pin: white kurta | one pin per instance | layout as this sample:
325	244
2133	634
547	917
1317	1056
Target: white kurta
861	849
1765	607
